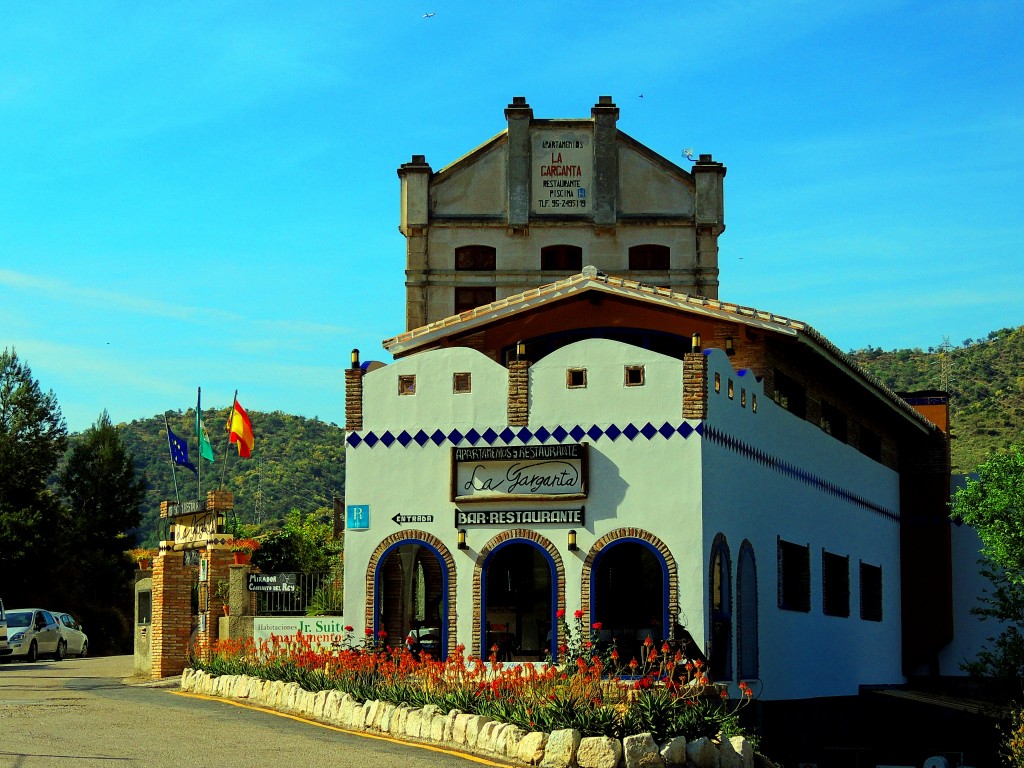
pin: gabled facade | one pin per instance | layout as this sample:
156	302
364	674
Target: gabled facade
522	209
660	462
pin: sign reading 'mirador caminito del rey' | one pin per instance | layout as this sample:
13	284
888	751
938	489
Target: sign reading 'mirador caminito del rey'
507	473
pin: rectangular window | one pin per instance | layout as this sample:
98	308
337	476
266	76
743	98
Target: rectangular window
870	444
790	395
462	383
794	577
833	421
561	258
475	258
634	375
471	298
870	592
649	256
835	584
407	385
576	378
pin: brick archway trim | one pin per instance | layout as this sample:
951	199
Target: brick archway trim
478	571
449	566
636	534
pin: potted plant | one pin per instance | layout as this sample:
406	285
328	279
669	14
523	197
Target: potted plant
221	591
142	557
243	549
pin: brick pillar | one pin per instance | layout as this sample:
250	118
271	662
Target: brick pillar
695	386
172	614
219	570
353	399
518	393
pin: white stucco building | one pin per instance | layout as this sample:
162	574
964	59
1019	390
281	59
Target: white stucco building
587	452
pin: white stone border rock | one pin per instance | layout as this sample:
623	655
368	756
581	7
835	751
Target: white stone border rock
475	734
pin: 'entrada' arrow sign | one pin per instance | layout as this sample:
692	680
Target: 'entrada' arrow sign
400	519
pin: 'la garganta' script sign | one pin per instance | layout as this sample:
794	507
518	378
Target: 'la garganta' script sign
507	473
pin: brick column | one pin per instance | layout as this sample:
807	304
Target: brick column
172	614
353	399
518	393
219	570
695	386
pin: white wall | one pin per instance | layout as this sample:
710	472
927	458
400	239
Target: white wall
802	654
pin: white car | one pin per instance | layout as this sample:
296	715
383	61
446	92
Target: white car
76	641
33	632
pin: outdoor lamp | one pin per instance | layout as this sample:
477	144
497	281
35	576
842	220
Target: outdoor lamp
462	539
729	348
520	350
355	359
572	541
695	342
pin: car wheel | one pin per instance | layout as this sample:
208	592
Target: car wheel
85	649
61	652
33	653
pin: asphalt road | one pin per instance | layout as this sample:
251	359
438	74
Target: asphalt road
88	713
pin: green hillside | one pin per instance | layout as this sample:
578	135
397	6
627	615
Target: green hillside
297	463
985	379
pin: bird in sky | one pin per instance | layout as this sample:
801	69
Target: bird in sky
429	14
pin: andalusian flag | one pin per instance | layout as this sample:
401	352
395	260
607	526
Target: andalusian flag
240	430
205	449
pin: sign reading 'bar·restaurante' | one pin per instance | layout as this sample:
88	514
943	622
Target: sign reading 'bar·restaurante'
513	517
522	472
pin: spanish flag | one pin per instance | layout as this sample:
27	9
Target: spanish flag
240	429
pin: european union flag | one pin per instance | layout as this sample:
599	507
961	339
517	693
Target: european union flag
179	451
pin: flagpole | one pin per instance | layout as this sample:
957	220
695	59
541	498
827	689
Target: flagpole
199	437
170	452
227	441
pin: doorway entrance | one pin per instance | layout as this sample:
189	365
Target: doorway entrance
411	590
518	610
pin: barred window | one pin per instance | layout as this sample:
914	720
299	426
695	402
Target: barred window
794	576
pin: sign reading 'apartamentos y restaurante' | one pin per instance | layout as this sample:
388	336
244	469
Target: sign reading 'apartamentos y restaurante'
519	472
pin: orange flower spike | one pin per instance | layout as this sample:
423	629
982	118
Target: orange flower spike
648	642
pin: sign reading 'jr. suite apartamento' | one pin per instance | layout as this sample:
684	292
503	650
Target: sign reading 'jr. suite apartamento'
506	473
563	172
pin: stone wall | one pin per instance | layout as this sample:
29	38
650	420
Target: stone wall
473	734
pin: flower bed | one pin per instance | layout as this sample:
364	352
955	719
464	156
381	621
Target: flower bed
580	696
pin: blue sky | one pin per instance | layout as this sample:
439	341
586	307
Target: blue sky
204	194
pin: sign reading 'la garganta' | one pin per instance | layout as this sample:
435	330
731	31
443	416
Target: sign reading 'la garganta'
505	473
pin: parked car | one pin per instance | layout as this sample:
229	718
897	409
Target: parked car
5	647
75	639
33	632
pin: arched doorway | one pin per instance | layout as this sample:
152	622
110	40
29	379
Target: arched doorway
518	588
629	584
411	588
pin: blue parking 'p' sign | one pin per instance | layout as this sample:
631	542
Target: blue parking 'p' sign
357	516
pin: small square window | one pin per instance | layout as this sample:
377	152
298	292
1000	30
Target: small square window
406	385
718	383
634	375
576	378
462	383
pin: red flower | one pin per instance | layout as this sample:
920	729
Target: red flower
724	694
560	613
596	626
578	614
369	631
409	640
382	634
348	629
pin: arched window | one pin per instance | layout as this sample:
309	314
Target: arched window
518	602
746	614
561	258
649	257
720	605
475	258
629	590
